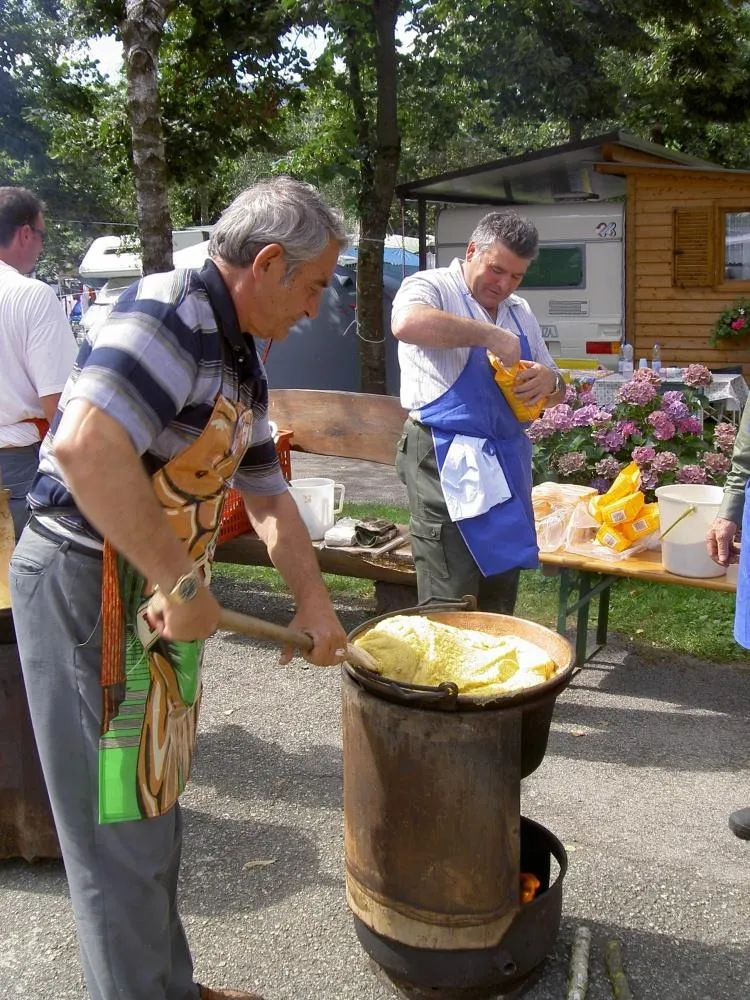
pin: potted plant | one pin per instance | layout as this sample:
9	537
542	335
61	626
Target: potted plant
733	324
580	442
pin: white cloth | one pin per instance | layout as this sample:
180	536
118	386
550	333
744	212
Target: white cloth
472	479
37	352
426	373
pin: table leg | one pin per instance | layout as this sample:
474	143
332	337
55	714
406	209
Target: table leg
562	600
602	621
582	619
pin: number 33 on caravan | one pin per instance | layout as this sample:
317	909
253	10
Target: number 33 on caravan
607	230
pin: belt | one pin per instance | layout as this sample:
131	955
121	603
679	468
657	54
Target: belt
44	532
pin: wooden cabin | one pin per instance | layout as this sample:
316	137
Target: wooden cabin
687	231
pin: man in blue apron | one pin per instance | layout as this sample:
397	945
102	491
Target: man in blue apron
721	541
464	457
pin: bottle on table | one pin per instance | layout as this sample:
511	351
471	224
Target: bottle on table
656	358
627	363
621	359
642	363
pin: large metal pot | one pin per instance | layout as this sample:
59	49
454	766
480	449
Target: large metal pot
432	795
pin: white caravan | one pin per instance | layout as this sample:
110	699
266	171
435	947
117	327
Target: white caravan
576	285
109	266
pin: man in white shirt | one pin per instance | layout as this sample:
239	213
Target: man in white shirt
464	457
37	346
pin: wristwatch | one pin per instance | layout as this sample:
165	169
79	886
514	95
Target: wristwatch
186	588
560	383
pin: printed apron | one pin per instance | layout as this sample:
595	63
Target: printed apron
742	604
504	537
152	686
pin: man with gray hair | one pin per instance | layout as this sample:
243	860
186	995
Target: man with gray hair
166	408
464	456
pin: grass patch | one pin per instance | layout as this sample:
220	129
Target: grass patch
683	620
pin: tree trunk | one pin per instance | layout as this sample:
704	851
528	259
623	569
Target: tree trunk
142	32
378	170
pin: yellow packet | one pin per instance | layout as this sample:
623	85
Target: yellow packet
646	521
612	538
618	512
628	481
505	377
595	507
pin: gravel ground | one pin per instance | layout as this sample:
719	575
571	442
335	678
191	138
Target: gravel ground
647	755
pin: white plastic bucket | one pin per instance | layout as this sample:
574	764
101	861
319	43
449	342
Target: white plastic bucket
685	514
315	499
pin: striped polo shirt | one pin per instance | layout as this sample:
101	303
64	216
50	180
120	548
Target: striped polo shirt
156	366
427	373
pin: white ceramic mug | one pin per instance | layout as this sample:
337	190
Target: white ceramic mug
315	499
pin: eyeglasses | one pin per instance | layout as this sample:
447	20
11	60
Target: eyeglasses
41	233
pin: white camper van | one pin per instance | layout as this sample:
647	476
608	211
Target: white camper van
576	284
110	265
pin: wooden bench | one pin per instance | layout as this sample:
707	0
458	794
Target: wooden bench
340	425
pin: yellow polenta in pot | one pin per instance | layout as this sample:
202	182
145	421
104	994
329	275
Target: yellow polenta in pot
417	650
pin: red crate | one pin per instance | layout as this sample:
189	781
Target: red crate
234	519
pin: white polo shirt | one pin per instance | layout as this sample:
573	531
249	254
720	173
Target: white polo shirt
37	351
426	373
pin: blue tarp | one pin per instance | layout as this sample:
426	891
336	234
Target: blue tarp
394	259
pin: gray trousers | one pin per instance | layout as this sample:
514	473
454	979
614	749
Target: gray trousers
445	567
17	470
122	876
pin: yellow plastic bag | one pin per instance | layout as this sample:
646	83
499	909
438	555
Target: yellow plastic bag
505	377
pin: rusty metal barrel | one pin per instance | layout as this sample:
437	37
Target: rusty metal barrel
432	796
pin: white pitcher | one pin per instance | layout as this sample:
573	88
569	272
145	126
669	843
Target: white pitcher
316	500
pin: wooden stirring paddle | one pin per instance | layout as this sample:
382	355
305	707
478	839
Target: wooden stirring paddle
259	628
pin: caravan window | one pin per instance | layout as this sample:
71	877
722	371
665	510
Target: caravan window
557	267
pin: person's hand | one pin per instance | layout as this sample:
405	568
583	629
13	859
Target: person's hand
504	344
720	542
326	632
534	383
195	619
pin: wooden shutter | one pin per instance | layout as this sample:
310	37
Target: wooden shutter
694	247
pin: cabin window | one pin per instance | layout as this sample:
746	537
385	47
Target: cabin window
736	246
557	267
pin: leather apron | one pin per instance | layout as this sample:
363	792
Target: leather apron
504	537
151	685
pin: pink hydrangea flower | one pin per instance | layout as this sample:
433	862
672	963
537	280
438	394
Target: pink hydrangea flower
638	391
607	467
601	484
664	429
649	479
665	461
643	455
724	435
627	428
697	375
649	375
570	463
691	474
716	463
690	425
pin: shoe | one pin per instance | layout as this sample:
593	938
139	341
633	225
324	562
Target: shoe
739	823
207	993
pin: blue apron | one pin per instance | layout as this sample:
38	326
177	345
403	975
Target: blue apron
504	537
742	605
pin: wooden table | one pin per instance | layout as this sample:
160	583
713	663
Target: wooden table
582	580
